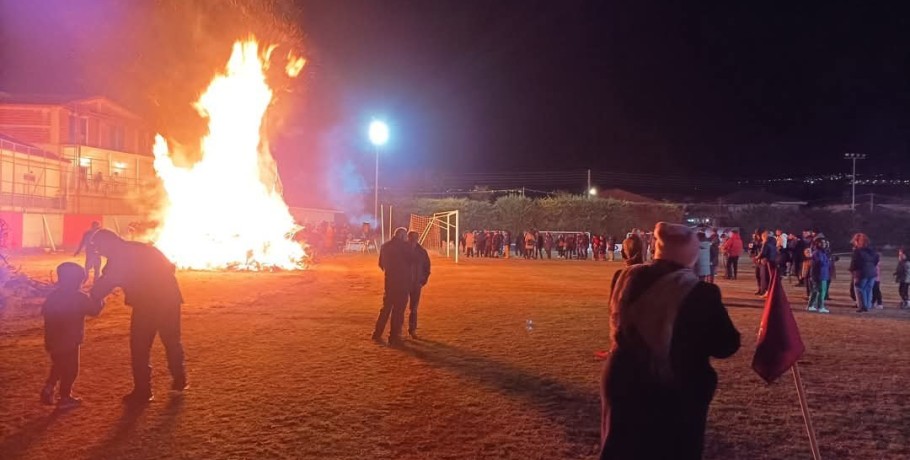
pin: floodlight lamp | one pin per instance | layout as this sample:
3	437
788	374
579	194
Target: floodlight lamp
592	191
379	132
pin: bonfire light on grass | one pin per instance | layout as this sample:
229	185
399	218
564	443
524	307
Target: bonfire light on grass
226	210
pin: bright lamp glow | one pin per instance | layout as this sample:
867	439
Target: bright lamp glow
379	132
592	191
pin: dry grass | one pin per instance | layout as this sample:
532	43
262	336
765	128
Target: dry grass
282	367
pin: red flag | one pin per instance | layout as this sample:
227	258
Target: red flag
779	343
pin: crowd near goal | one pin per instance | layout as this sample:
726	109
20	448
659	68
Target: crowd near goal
438	232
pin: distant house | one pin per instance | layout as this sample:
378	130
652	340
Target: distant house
624	195
754	197
68	161
108	149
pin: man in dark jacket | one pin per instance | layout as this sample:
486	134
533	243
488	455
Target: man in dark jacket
92	259
633	249
147	279
396	260
767	261
421	274
658	381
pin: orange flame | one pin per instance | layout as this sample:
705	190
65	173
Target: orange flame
226	210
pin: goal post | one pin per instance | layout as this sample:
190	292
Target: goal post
440	232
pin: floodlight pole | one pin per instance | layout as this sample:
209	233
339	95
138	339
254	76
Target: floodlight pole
376	192
854	157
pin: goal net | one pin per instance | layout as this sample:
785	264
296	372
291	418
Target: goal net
439	232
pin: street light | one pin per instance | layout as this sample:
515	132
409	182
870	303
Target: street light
854	157
592	191
379	135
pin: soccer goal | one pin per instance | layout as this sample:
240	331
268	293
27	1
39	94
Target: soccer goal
439	232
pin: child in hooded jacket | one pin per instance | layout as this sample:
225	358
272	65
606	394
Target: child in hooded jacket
64	328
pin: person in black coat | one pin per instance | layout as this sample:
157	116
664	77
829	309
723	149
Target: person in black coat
150	286
658	381
396	259
633	249
421	274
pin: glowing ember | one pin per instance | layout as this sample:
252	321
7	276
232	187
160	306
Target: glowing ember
226	210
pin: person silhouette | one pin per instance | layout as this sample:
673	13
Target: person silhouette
148	282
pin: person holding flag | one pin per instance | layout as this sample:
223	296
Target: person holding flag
665	326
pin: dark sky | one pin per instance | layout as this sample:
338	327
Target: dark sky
726	89
740	88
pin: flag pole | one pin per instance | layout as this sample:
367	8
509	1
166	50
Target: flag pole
804	407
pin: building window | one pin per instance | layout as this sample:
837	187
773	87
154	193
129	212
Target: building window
118	138
78	129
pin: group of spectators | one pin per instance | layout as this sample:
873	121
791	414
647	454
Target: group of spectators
534	244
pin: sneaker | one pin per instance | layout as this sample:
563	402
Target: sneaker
413	335
861	310
812	309
136	398
68	402
180	385
396	342
824	310
47	396
377	339
879	307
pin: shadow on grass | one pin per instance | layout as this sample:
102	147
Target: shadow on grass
578	411
17	445
120	432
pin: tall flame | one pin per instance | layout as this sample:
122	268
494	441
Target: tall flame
226	210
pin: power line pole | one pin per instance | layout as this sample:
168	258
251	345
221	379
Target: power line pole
854	157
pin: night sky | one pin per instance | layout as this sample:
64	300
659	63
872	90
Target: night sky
735	89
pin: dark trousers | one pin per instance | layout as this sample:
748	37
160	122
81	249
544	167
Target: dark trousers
413	303
93	264
732	269
394	302
764	277
902	289
64	369
877	293
145	324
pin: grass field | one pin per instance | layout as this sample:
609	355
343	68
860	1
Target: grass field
281	366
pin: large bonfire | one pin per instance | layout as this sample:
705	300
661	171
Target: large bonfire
226	210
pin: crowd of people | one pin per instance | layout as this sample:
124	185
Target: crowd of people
535	244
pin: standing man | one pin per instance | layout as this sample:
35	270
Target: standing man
92	258
632	249
396	260
421	274
148	282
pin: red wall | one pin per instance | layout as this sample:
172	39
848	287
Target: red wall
74	225
14	228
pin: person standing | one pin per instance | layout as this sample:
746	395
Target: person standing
902	277
469	244
396	260
863	265
64	314
767	260
703	261
733	248
658	381
611	248
818	279
150	286
421	274
632	248
92	258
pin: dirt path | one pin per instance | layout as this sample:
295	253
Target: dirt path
282	367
